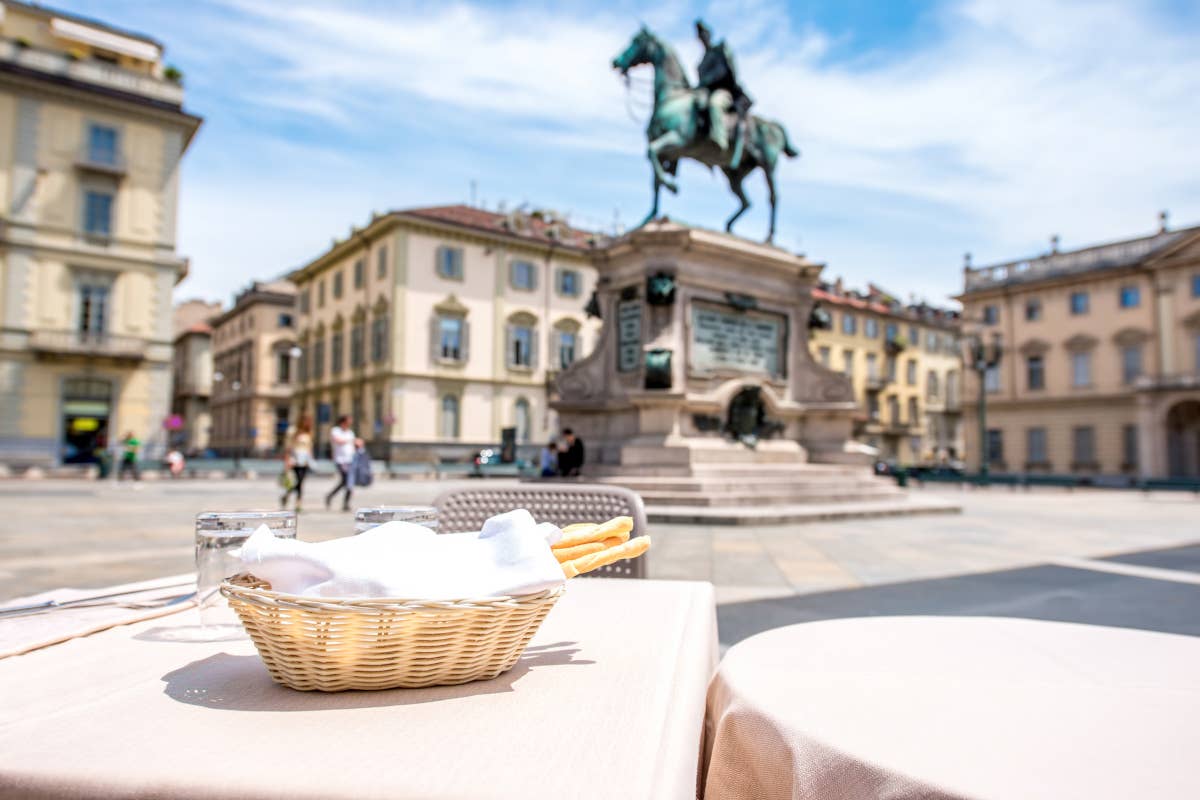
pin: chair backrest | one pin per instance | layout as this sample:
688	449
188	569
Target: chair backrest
467	510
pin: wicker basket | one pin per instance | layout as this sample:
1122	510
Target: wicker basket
331	645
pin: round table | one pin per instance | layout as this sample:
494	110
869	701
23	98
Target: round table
955	707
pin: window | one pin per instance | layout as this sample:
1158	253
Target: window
1196	285
891	331
1129	447
337	284
849	324
450	263
931	341
1033	310
285	320
1081	369
566	348
848	363
991	380
379	337
521	419
451	342
931	385
913	413
1130	296
871	328
302	366
823	355
283	367
872	366
102	145
381	262
1131	363
97	213
1035	373
1079	303
305	299
318	362
894	410
377	408
991	315
911	372
873	406
358	356
449	417
336	353
890	362
1035	446
952	388
568	283
321	294
520	346
522	275
995	446
1083	446
360	272
93	307
914	336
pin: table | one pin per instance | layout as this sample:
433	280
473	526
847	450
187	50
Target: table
924	707
607	702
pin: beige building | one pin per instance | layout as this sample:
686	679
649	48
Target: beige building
92	130
436	328
1100	373
254	370
191	375
906	367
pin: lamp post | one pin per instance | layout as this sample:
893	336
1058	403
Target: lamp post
981	357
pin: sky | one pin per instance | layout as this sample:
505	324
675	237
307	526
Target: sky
927	130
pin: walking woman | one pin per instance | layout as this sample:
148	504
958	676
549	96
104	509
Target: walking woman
297	455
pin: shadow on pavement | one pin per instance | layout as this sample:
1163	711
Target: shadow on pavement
1043	592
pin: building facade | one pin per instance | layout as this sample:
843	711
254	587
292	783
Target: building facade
437	328
906	366
1100	372
191	376
92	131
254	370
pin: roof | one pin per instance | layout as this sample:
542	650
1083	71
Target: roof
45	11
920	312
1094	258
540	226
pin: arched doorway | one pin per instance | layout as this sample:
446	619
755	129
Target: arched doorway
86	405
1183	439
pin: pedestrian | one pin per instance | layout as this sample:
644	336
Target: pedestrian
341	440
129	457
570	454
175	462
549	459
297	456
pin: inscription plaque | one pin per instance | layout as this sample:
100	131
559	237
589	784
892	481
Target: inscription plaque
745	342
629	335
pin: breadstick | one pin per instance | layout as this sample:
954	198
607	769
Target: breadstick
619	527
631	549
585	549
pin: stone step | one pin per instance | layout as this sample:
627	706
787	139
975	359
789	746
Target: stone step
616	473
747	484
793	514
764	498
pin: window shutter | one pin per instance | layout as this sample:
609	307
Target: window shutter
508	345
465	338
457	259
435	345
533	348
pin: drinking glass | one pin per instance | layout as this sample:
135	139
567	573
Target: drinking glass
219	538
367	518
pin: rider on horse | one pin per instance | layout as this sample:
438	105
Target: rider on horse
720	91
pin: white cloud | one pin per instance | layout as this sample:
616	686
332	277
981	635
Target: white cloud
1019	119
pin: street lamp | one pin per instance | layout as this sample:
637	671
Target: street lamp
982	356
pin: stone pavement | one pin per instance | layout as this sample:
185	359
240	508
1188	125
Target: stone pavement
83	534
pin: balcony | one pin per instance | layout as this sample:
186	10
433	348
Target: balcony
85	161
86	344
1160	383
60	66
876	383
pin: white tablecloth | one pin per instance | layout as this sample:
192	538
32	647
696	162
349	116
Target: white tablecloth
922	707
607	702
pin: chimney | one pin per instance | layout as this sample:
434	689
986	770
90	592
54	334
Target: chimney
1162	221
966	261
838	288
1054	244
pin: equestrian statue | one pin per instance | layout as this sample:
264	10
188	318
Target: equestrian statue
709	123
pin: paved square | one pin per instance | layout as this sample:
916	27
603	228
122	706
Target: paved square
1054	554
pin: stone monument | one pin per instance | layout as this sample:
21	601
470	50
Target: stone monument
701	390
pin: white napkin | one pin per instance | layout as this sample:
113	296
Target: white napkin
510	556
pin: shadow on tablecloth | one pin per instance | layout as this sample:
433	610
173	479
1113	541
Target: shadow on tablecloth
241	683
